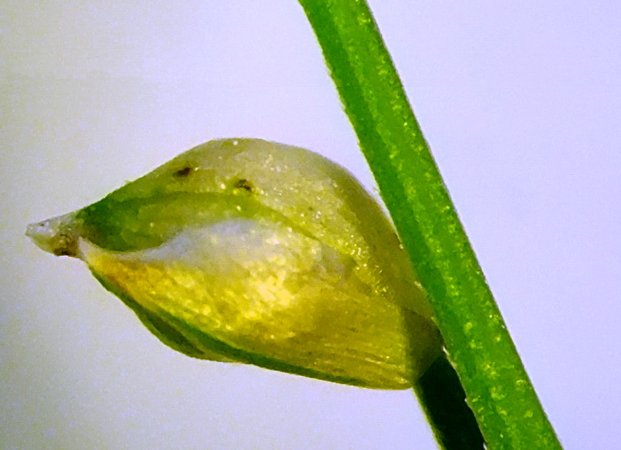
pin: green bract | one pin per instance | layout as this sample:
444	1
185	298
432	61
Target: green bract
256	252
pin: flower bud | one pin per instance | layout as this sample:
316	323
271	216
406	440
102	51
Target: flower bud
250	251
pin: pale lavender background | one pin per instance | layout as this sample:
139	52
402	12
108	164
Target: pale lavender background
520	101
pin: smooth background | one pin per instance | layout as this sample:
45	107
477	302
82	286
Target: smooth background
521	102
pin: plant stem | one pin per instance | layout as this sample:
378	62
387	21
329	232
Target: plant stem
479	347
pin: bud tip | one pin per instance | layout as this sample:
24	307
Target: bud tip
57	235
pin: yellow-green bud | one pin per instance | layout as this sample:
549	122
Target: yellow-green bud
250	251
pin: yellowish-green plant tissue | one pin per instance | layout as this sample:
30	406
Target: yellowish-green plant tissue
244	250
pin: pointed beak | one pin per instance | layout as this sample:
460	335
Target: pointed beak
57	235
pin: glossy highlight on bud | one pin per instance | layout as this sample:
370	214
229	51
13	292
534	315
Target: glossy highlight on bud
250	251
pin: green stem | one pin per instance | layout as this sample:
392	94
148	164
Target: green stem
479	347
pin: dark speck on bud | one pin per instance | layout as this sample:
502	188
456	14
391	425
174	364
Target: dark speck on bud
244	184
183	172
